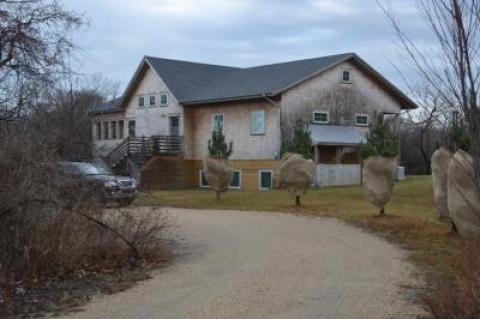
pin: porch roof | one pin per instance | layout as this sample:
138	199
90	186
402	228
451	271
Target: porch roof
335	135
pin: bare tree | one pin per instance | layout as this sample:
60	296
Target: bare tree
35	45
451	69
427	126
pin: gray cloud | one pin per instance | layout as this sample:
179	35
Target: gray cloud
237	32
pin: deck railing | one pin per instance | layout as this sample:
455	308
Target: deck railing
145	147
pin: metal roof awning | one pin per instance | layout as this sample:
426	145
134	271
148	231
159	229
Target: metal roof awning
335	135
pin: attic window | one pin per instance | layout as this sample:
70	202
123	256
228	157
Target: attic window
321	117
346	76
152	100
163	99
141	101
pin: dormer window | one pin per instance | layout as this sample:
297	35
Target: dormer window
152	100
321	117
141	101
346	76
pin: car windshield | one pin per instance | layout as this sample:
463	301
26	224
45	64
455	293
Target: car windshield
88	169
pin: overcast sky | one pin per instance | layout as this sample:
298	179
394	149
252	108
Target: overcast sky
237	32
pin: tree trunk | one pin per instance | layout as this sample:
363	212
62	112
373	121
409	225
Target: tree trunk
217	195
297	200
425	152
382	212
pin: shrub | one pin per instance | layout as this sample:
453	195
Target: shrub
458	295
51	227
380	141
217	147
300	143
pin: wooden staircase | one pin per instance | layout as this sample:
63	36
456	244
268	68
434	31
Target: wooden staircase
131	155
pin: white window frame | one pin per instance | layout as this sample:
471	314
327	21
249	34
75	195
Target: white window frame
138	100
321	112
214	122
200	180
166	97
260	179
239	180
349	76
150	100
361	124
251	122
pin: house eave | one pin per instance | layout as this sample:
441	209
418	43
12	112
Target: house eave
228	99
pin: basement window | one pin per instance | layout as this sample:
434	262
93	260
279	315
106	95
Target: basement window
203	180
321	117
265	179
237	180
361	119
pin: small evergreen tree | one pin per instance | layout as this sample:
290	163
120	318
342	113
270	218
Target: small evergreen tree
380	140
217	147
300	143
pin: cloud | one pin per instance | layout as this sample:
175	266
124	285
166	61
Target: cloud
236	32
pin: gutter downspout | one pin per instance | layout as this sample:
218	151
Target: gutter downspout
279	122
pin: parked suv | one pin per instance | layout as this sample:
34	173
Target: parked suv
108	187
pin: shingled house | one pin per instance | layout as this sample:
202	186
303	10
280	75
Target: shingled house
159	128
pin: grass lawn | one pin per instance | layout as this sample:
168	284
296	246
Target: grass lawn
411	218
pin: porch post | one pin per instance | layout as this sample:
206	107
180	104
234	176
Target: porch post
338	157
316	154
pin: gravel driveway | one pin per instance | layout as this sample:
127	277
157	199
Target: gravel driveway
268	265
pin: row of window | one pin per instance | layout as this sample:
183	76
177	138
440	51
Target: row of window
112	130
153	100
323	117
265	179
257	122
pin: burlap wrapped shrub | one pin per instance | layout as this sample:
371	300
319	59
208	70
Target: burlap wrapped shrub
296	174
463	195
378	179
440	161
218	172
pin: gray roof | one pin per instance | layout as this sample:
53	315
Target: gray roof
200	83
197	83
112	106
335	135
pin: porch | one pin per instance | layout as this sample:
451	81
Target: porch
336	154
140	149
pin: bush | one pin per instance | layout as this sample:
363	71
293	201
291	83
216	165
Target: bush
300	143
458	295
380	141
52	228
217	147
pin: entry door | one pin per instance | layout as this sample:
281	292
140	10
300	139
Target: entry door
174	126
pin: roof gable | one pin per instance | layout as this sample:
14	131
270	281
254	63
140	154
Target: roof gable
198	83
